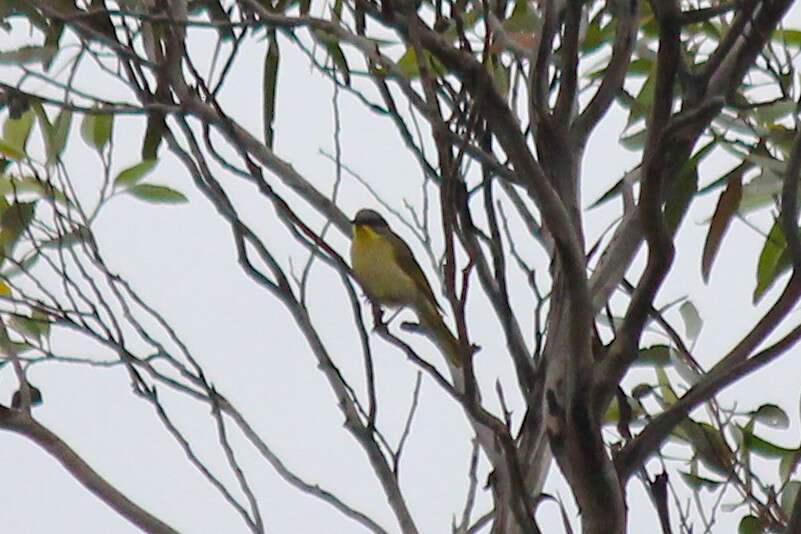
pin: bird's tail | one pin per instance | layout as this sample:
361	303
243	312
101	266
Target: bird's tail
440	334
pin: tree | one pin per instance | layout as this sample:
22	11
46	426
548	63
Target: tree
496	102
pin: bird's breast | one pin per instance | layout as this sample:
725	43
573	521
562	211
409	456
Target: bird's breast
373	262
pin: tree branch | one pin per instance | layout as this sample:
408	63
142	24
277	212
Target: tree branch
23	424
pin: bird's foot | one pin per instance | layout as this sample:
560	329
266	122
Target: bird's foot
378	317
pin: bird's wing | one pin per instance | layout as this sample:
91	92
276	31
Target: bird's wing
409	265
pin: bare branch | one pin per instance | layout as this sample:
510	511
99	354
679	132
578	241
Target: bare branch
25	425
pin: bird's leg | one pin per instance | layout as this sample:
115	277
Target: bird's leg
378	316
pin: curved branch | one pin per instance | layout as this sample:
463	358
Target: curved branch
568	80
756	31
646	443
659	240
25	425
625	32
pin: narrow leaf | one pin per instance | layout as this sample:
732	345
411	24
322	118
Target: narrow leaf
635	141
10	151
59	134
157	193
28	54
654	355
727	206
771	113
16	131
331	44
751	525
788	464
763	447
156	126
679	197
773	261
692	320
17	217
271	61
96	129
131	175
14	222
696	482
772	416
710	446
789	495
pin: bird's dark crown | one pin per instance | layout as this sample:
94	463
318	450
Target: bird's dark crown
369	217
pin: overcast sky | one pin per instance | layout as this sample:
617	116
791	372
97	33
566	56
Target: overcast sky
181	260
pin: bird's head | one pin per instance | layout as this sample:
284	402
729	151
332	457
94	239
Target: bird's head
369	221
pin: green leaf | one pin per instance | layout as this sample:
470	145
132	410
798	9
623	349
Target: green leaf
469	19
14	222
96	129
760	191
45	125
10	151
669	396
654	355
522	19
28	54
132	175
681	193
16	131
270	84
157	193
642	103
632	175
727	205
331	43
684	368
636	141
772	416
154	133
692	320
771	113
773	260
68	239
22	267
733	124
709	445
696	482
17	217
410	67
58	138
30	327
763	447
766	161
788	464
641	66
684	188
217	13
10	185
751	525
641	390
500	75
789	495
791	37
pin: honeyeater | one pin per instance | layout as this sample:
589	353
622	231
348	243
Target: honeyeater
389	274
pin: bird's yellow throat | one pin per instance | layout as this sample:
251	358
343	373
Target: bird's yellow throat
364	232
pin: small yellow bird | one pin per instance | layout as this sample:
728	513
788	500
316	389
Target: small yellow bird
389	274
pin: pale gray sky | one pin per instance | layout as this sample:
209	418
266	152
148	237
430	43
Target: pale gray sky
181	260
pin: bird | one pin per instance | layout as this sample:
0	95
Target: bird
386	268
